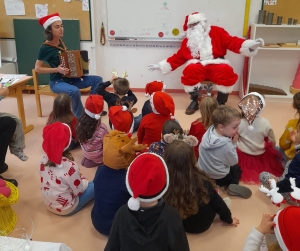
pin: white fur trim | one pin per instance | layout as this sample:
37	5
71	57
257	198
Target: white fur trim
165	66
190	88
92	115
124	108
159	195
172	117
147	95
245	48
164	87
250	128
207	62
50	21
224	89
278	234
195	18
152	105
97	116
70	136
261	98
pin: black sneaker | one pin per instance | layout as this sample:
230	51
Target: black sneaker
73	145
12	181
103	113
3	168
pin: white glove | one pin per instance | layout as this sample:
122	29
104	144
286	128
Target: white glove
153	67
257	42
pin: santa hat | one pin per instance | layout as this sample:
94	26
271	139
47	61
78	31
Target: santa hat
121	118
94	106
286	229
57	138
195	17
48	20
163	104
154	86
147	179
252	105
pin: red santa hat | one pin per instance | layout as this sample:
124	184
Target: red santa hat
147	179
56	139
286	229
94	106
154	86
48	20
252	105
121	119
195	17
163	104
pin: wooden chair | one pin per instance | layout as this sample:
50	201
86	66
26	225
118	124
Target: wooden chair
45	90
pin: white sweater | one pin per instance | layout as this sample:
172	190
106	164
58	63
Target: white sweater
253	142
253	241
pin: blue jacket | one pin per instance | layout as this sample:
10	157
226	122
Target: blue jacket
110	194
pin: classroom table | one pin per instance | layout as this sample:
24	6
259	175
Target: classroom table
15	91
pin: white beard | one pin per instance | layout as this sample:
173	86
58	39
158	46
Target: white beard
199	41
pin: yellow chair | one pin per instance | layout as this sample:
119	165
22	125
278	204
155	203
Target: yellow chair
45	90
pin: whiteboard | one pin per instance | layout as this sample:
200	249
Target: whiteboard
163	20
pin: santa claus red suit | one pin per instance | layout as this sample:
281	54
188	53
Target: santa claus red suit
203	51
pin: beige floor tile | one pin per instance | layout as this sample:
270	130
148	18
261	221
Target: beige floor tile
77	231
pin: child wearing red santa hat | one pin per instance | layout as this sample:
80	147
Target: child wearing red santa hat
64	190
283	224
91	131
154	86
163	109
256	143
147	223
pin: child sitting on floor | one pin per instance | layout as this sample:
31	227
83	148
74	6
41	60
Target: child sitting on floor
217	151
154	86
207	105
286	146
64	190
119	150
62	112
170	126
121	93
283	225
291	170
90	132
163	109
192	192
147	222
256	143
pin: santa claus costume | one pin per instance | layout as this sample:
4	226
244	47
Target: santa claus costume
203	51
256	144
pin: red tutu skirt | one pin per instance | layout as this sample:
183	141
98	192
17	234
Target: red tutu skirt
253	165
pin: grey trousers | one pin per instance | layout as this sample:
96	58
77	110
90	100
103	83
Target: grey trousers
17	142
264	179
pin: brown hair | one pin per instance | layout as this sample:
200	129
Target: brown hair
171	125
207	106
48	33
66	154
121	86
274	247
186	189
61	110
86	128
296	105
224	115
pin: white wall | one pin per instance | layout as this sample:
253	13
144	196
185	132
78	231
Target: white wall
135	60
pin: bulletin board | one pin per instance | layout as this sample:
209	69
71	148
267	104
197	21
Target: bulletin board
285	8
67	10
163	19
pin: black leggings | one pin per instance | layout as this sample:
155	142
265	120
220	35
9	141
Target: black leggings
233	177
7	129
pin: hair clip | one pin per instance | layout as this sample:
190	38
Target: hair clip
115	73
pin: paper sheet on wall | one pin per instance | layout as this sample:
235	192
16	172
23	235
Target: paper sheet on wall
14	7
85	5
270	2
41	10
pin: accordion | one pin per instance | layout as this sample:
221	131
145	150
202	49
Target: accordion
76	61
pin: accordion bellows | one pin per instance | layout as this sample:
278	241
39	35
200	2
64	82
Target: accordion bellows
76	61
